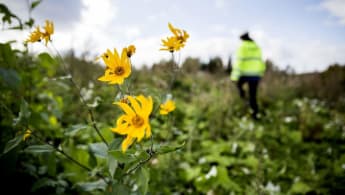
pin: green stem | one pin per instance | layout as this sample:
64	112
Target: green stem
68	156
141	163
80	96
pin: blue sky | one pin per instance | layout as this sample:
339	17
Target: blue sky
308	35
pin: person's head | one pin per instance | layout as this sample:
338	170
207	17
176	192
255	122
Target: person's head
245	37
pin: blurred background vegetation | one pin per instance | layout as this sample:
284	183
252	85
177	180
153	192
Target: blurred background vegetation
298	147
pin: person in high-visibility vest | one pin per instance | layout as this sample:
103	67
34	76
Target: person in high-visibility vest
248	68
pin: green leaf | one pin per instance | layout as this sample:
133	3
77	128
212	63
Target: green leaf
24	113
112	165
115	144
39	148
35	4
224	180
7	55
99	149
190	173
122	157
300	188
44	182
143	180
167	149
30	22
92	158
119	189
74	129
47	62
91	186
8	14
10	78
12	143
51	163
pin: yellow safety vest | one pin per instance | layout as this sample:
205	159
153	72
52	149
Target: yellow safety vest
248	61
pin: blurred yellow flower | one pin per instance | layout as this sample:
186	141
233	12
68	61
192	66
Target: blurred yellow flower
38	35
34	36
27	134
48	31
117	68
135	122
130	50
171	44
167	107
181	35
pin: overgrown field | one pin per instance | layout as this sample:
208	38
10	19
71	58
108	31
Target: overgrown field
72	126
296	148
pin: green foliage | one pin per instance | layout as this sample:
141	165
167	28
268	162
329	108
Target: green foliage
8	15
208	145
12	143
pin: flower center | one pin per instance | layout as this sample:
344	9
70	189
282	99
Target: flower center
181	39
137	121
119	71
129	53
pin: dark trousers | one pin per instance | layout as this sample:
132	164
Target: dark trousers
253	83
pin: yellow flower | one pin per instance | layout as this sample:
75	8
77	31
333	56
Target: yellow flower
27	134
130	50
167	107
171	44
117	68
35	36
180	35
135	122
48	31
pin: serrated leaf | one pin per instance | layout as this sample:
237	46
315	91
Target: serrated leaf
39	148
91	186
167	148
112	165
12	143
143	180
115	144
99	149
122	157
74	129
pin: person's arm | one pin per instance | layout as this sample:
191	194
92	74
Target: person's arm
236	72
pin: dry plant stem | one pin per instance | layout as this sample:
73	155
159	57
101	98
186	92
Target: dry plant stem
69	157
80	96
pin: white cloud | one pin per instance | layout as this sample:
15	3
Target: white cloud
336	8
99	27
303	56
220	3
147	51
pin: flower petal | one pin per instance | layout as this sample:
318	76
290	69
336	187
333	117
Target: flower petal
128	141
135	105
128	110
